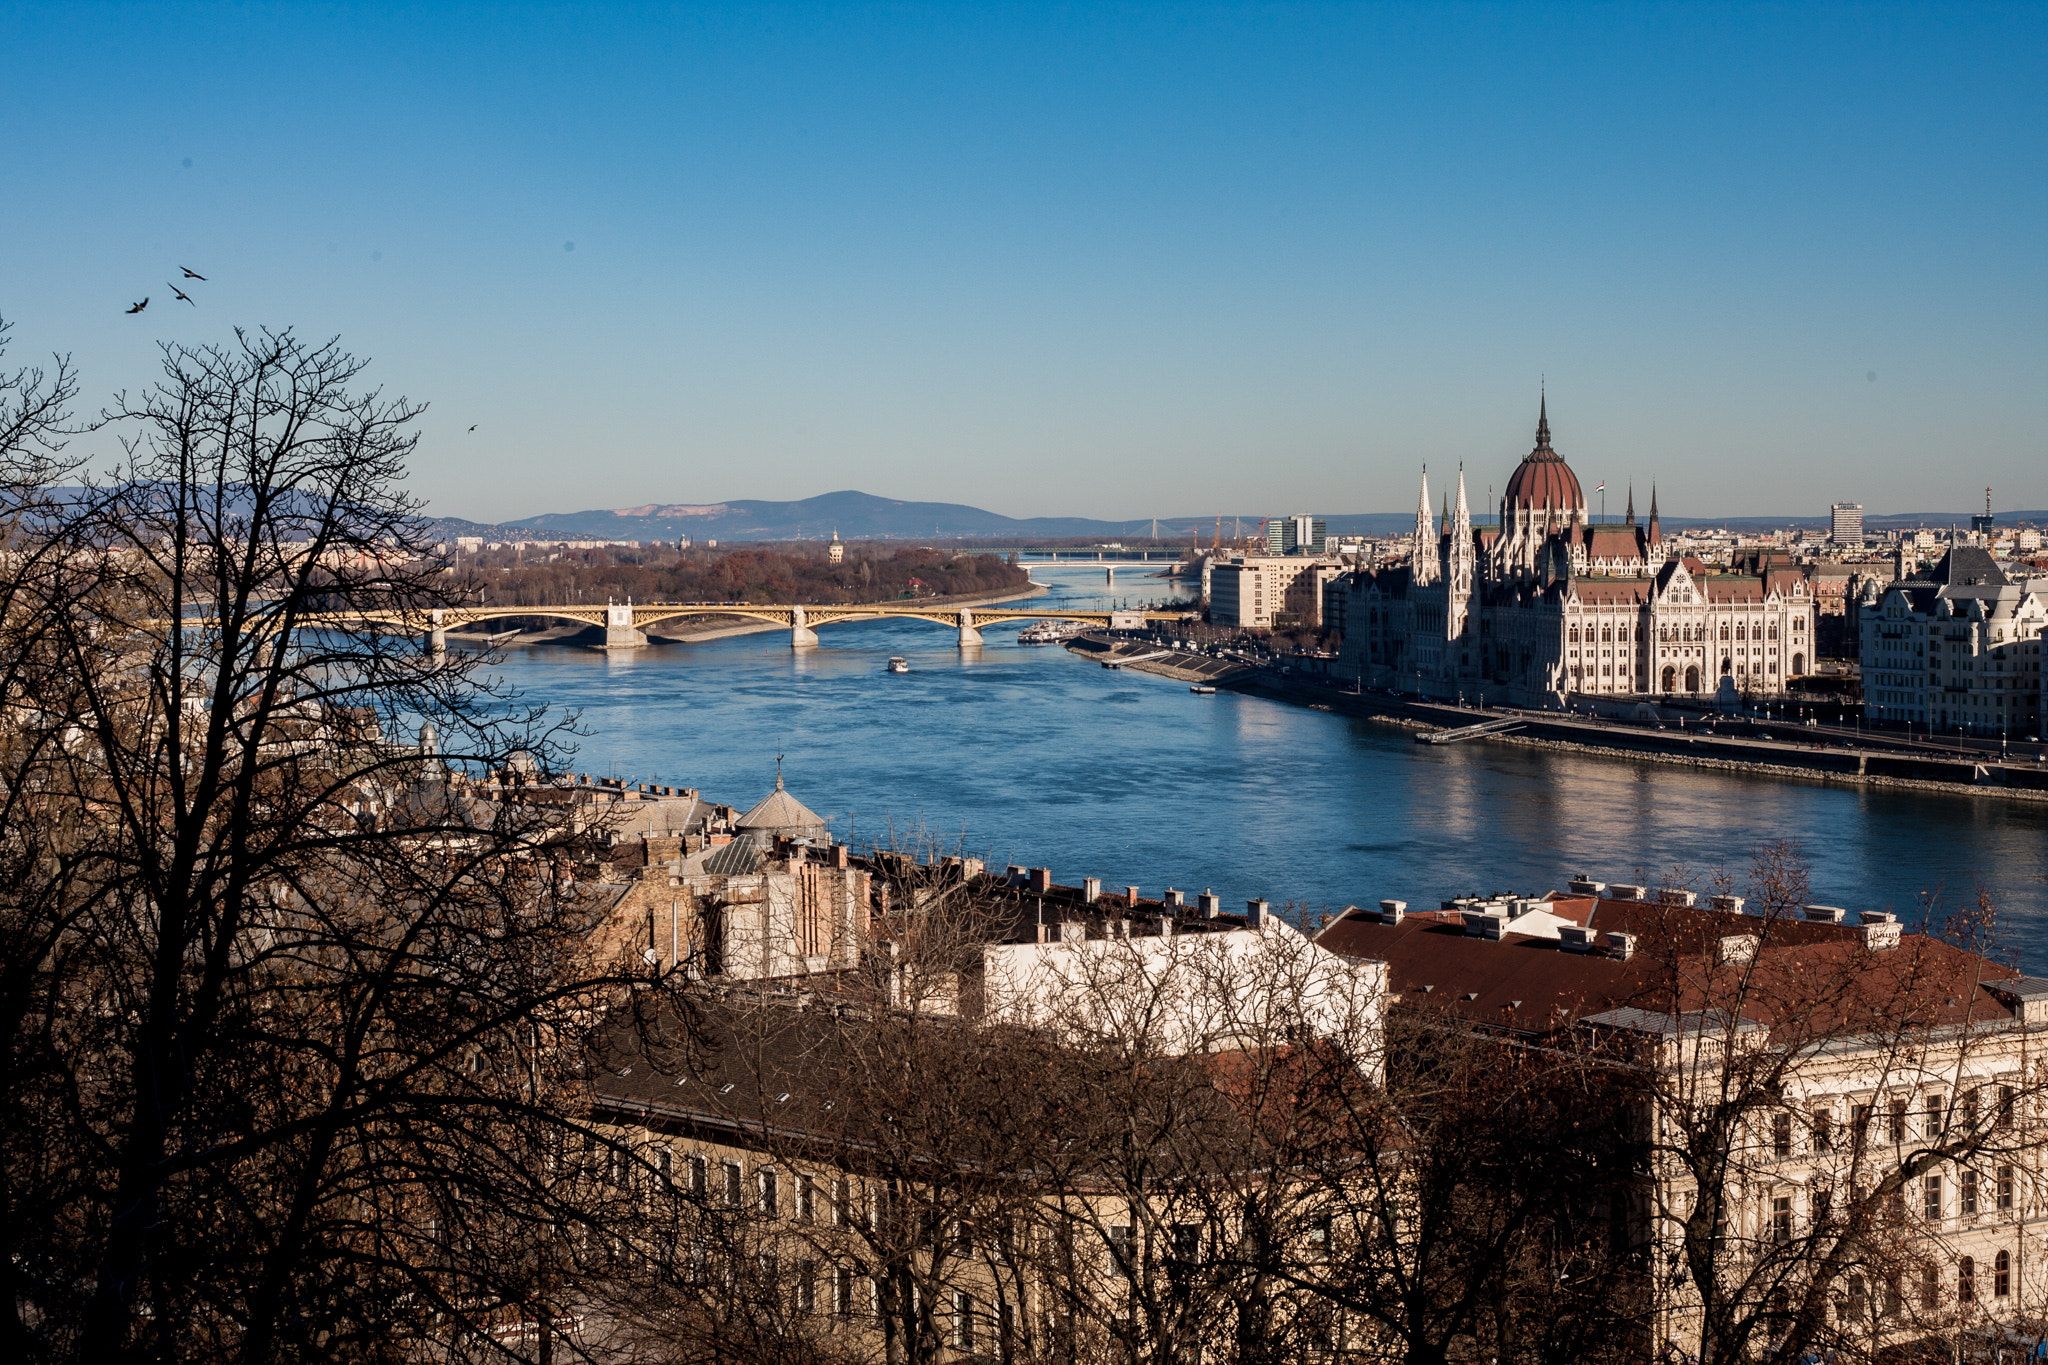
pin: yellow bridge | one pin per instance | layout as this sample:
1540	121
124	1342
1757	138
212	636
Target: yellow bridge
625	623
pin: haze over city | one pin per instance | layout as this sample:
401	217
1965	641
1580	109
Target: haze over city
1076	261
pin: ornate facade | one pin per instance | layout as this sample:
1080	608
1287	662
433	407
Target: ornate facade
1546	603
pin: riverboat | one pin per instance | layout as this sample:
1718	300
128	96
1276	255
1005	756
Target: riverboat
1049	632
1202	690
898	664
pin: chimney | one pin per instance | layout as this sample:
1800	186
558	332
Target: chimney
1255	913
1577	938
1622	891
841	856
1175	898
1484	922
1013	875
1582	885
1131	895
1391	911
1041	879
1826	914
1734	903
1211	904
1881	930
1091	890
970	868
1673	896
1621	946
1737	948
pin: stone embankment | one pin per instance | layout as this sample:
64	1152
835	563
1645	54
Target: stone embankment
1148	658
1724	745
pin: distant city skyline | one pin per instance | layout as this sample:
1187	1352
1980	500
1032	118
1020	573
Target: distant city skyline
1075	262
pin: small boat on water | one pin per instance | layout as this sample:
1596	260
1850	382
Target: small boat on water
1202	689
898	664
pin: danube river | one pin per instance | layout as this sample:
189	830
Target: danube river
1028	754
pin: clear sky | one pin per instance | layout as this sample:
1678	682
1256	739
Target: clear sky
1080	260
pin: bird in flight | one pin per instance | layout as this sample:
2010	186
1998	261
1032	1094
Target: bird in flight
472	426
190	273
140	306
181	294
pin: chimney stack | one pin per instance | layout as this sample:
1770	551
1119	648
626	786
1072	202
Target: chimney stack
1041	879
1255	913
1392	911
1210	903
1091	889
1131	895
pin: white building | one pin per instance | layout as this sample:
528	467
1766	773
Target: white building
1955	648
1247	591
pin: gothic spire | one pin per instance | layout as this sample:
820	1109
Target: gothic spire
1543	422
1631	518
1422	559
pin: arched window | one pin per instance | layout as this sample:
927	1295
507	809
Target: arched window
2001	1275
1622	635
1740	633
1725	669
1798	663
1692	678
1574	635
1607	634
1724	631
1774	630
1966	1280
1670	678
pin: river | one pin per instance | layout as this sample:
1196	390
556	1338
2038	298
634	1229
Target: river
1029	754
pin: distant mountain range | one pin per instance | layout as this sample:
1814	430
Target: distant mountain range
863	516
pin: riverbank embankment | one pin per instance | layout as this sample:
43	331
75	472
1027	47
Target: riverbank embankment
1721	745
1147	658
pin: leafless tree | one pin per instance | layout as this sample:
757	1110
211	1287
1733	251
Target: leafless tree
294	1017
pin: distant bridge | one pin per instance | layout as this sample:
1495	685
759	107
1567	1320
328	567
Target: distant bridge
625	623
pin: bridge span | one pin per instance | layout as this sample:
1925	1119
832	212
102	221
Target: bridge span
625	623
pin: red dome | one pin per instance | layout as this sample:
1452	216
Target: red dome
1543	479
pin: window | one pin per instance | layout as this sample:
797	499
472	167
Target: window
666	1160
1187	1243
1932	1126
2005	1187
806	1198
1966	1280
1122	1249
1966	1192
2005	1106
2001	1275
1781	1218
1931	1196
842	1290
735	1185
842	1202
806	1289
1823	1130
1894	1297
1781	1134
1861	1123
770	1206
963	1322
1930	1286
1898	1125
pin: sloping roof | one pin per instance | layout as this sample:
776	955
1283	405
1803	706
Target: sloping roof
736	859
780	810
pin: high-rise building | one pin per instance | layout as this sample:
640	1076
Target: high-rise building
1847	527
1297	535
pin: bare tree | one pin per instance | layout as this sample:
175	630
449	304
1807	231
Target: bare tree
294	1038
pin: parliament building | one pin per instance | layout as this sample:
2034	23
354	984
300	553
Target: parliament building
1546	605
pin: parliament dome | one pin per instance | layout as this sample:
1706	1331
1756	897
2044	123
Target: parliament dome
1543	479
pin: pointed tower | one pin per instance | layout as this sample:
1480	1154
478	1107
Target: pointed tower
1630	519
1422	560
1656	534
1462	550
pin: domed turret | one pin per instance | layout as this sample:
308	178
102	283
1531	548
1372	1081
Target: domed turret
1543	498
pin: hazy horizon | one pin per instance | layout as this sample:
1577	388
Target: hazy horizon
1076	261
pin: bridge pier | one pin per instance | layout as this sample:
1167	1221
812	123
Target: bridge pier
970	634
801	636
619	631
437	637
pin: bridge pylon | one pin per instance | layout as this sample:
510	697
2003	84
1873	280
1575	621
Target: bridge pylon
970	634
619	630
437	634
801	635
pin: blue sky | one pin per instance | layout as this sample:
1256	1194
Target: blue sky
1072	259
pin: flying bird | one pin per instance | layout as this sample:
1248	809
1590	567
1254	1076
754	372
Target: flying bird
140	306
181	294
472	426
190	273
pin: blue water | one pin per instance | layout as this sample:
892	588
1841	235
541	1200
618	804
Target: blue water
1029	754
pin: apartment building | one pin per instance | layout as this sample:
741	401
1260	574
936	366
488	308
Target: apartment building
1955	648
1256	592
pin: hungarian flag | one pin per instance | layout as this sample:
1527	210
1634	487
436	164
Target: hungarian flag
1601	489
